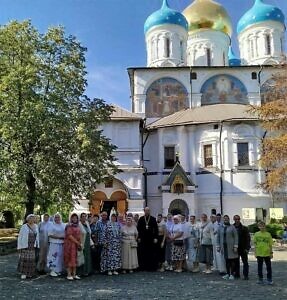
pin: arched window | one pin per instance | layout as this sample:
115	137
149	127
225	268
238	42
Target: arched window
208	57
181	50
165	96
152	49
167	47
268	44
251	45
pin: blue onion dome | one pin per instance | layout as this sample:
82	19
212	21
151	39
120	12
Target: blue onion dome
233	60
260	12
165	15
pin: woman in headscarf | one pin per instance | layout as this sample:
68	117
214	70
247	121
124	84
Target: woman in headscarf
72	244
227	243
120	220
43	244
56	235
28	242
111	260
87	243
129	246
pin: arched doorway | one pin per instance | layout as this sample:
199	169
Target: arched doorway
111	196
178	206
97	201
120	198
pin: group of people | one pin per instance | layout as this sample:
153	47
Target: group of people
121	244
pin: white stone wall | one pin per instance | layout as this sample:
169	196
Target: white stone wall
253	43
143	78
198	43
189	142
240	186
126	136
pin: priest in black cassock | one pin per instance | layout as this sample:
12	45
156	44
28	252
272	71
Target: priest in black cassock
147	240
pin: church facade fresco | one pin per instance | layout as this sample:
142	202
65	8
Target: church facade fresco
223	89
164	97
266	91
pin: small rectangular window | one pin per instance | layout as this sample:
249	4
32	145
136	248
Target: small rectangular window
108	182
193	75
208	159
254	75
169	157
242	154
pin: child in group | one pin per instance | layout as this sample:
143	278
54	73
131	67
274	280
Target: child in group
263	252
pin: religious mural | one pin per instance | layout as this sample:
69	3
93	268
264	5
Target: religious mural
164	97
267	91
223	89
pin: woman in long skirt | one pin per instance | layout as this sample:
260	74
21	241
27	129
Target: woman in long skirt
72	243
87	243
129	246
111	260
193	243
28	241
56	235
43	244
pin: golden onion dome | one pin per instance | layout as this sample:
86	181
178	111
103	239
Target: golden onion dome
207	14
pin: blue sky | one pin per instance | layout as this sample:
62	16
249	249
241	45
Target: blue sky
112	30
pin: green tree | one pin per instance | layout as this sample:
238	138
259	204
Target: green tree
52	149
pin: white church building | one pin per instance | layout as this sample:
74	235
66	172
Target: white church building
190	145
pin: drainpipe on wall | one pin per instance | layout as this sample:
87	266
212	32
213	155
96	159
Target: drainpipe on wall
143	142
259	80
221	167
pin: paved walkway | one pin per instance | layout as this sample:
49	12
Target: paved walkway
144	285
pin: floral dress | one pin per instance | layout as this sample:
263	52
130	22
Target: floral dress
55	259
70	247
111	253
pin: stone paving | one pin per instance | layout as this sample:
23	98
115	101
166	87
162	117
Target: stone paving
144	285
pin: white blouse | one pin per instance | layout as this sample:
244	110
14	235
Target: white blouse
23	237
177	228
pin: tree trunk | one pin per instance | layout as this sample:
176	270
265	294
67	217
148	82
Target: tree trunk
31	191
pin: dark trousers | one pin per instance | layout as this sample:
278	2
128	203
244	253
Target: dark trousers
230	266
244	259
96	257
267	261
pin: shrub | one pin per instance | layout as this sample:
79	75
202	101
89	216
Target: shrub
276	230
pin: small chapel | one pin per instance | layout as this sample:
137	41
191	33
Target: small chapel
189	144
